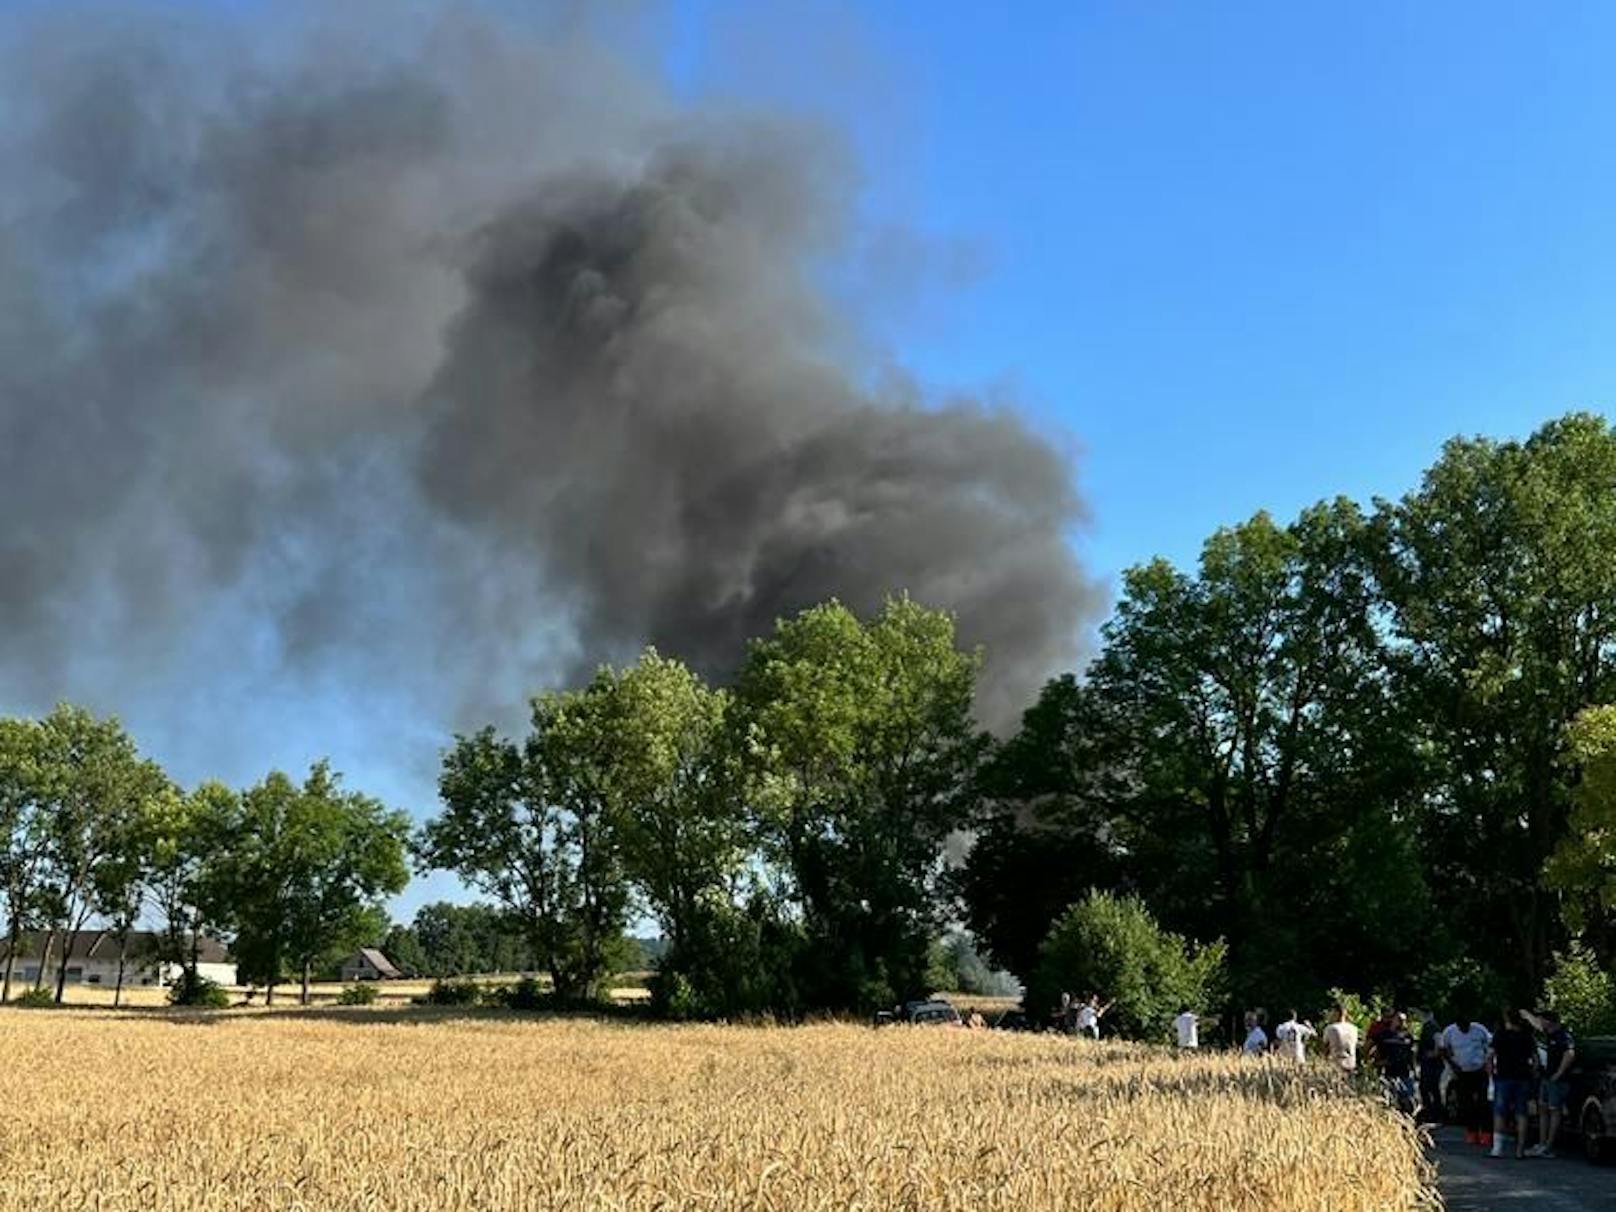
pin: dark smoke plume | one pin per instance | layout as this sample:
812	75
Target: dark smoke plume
439	365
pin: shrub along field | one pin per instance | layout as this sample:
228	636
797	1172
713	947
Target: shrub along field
388	1110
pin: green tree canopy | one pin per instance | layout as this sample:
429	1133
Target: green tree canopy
1112	947
305	874
862	744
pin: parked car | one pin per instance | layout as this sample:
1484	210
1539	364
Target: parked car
1591	1109
933	1012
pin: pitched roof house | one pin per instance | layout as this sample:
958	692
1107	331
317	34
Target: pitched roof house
369	964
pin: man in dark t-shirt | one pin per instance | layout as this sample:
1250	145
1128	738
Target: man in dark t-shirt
1431	1066
1394	1053
1556	1087
1514	1064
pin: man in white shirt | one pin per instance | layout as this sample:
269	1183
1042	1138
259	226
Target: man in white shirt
1465	1044
1089	1015
1186	1024
1290	1038
1341	1041
1256	1038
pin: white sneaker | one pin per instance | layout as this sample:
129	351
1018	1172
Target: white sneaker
1538	1151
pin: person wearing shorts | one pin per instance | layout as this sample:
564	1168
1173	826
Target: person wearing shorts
1556	1087
1514	1066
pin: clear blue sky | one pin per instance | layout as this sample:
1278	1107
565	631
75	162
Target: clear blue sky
1246	254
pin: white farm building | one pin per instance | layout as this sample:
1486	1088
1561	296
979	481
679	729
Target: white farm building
93	958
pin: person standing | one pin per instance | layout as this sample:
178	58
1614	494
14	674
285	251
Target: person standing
1089	1015
1464	1047
1256	1038
1187	1024
1341	1040
1513	1062
1394	1054
1431	1066
1556	1087
1290	1038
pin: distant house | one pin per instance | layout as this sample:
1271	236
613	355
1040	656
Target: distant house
369	964
92	958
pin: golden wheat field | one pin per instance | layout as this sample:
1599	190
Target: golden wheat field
380	1111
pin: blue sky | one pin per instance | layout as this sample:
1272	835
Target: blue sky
1245	255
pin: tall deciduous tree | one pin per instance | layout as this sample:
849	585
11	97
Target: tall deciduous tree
672	786
22	835
530	828
306	872
1499	577
94	789
862	739
1249	749
1583	865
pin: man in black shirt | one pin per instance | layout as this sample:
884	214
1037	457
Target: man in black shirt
1514	1064
1394	1053
1562	1054
1431	1066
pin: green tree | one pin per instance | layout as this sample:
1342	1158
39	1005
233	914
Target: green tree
530	828
1583	865
305	874
673	791
183	835
1582	990
93	790
1112	946
1245	727
1046	833
23	835
864	754
1498	577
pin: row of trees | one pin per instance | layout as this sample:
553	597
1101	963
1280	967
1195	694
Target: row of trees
1367	749
1357	746
92	831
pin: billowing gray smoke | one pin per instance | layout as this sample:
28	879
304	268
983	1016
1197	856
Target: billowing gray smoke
436	366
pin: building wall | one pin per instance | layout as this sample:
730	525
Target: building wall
95	972
103	973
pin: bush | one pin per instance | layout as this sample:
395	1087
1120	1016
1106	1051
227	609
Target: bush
357	995
1114	947
737	963
1582	991
194	990
38	998
525	994
451	993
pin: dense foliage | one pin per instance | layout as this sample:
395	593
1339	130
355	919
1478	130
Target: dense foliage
1350	745
1111	947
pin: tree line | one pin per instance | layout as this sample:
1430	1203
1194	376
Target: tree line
92	831
1365	749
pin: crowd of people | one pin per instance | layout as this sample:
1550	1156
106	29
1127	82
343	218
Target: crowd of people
1495	1077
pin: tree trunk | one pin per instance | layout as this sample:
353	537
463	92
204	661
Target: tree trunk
61	971
304	999
269	993
123	956
13	941
44	958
